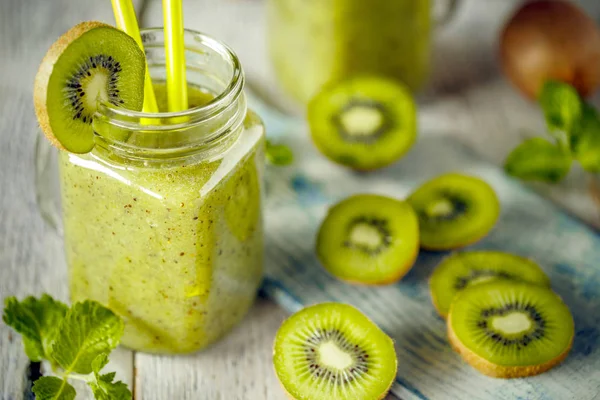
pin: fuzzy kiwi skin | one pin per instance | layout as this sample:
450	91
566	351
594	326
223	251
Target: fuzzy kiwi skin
500	371
288	394
42	77
434	298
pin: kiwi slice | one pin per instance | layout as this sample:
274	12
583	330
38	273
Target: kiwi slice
364	122
92	62
369	239
332	351
509	329
454	210
462	270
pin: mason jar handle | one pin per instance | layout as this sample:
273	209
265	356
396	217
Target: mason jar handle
47	187
448	14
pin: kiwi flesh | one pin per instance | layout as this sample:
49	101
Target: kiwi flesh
91	62
508	329
462	270
369	239
333	351
454	210
364	123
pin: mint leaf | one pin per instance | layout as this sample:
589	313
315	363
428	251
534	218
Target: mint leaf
53	388
88	330
99	362
537	159
585	142
562	108
36	320
279	154
104	388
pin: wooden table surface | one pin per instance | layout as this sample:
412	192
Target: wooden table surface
468	99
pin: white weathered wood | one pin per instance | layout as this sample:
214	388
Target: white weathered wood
469	99
31	256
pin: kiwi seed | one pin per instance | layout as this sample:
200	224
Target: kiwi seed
91	62
364	122
509	329
461	270
454	210
332	351
369	239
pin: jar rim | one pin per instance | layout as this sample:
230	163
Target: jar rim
229	94
203	131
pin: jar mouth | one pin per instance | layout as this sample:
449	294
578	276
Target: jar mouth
204	131
221	100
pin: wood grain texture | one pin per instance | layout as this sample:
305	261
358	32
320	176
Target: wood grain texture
468	99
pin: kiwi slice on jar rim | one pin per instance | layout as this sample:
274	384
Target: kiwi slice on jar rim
465	269
332	351
508	329
91	63
369	239
363	123
454	210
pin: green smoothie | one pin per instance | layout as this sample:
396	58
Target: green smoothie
176	250
316	41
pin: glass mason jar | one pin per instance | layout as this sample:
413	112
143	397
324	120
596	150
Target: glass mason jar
162	221
312	42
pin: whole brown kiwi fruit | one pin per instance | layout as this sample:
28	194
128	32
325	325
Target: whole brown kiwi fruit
551	40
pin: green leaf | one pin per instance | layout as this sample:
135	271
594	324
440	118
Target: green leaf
279	154
36	320
537	159
104	388
87	331
99	362
53	388
562	108
585	142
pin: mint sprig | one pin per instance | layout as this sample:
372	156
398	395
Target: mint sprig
36	320
53	388
103	386
562	107
575	127
74	340
537	159
279	154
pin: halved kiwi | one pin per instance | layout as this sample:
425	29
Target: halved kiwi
462	270
369	239
454	210
91	62
332	351
508	329
364	123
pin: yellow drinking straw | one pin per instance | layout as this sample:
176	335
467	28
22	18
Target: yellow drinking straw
177	95
127	22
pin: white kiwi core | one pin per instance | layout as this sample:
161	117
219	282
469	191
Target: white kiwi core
96	89
332	356
512	323
365	235
361	121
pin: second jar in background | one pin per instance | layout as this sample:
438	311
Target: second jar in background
313	42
